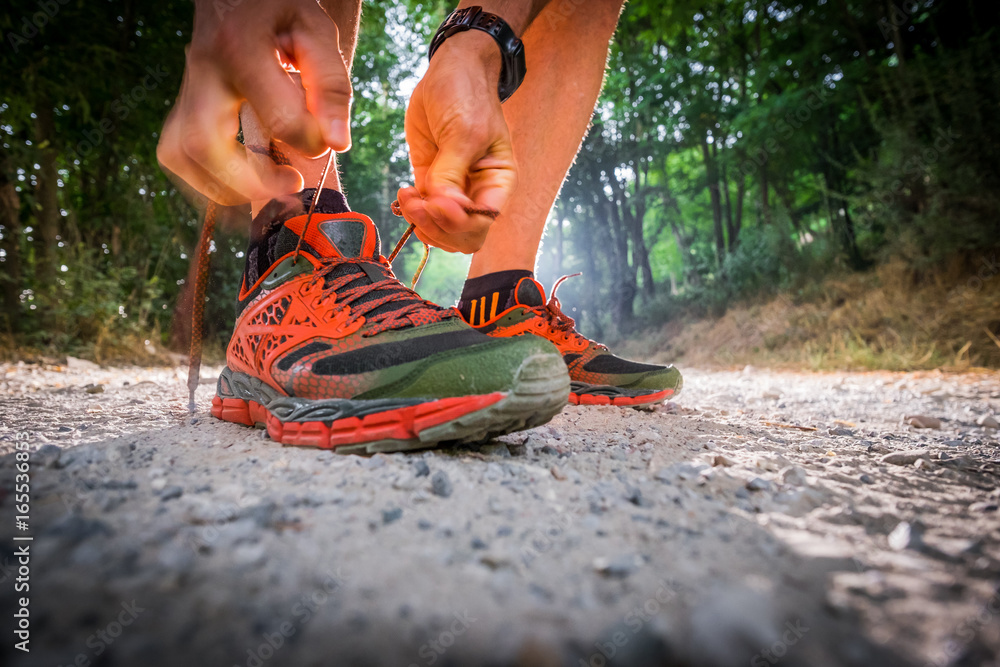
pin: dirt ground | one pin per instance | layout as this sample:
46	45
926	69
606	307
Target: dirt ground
762	518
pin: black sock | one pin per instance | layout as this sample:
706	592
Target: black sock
485	296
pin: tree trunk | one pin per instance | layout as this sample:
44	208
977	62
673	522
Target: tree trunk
47	212
712	174
10	268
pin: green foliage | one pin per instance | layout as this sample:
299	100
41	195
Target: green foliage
740	148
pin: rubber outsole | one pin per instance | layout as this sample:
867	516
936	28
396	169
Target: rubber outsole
623	401
539	391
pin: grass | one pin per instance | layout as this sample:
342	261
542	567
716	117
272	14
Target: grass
893	318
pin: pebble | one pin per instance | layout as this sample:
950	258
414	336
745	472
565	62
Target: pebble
723	460
424	524
171	492
420	468
495	450
47	456
866	479
840	430
94	388
922	421
374	462
619	567
686	470
477	543
793	475
906	458
441	484
905	536
558	473
392	514
988	421
758	484
983	506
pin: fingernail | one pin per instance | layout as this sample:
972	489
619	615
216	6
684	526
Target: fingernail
339	135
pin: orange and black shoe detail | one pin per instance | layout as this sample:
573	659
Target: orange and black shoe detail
597	376
330	350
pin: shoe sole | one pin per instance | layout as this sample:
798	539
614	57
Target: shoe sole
586	394
539	391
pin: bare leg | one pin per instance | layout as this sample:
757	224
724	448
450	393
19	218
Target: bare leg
347	15
567	49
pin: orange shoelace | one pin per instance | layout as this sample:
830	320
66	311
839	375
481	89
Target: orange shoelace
560	322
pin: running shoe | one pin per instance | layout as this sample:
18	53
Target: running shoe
597	376
330	350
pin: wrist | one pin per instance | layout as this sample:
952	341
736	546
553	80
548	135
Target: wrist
474	48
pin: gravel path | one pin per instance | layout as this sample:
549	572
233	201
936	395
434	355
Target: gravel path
764	518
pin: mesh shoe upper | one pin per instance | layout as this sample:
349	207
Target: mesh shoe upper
334	322
589	362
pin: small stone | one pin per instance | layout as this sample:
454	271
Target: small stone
988	421
424	524
558	473
619	567
420	468
983	506
477	543
81	364
793	476
374	462
840	430
906	458
171	492
440	484
923	464
758	484
723	460
48	456
158	484
905	536
922	421
771	395
866	479
65	429
495	450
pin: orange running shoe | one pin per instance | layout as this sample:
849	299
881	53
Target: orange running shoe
597	376
331	350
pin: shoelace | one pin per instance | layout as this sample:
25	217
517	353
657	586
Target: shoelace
559	321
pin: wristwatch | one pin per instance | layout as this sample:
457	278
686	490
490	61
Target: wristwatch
513	67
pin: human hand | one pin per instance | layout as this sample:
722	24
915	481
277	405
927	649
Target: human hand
459	144
236	54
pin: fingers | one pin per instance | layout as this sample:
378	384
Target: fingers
444	223
199	145
325	77
279	103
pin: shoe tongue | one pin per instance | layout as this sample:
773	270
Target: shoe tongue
348	235
529	293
